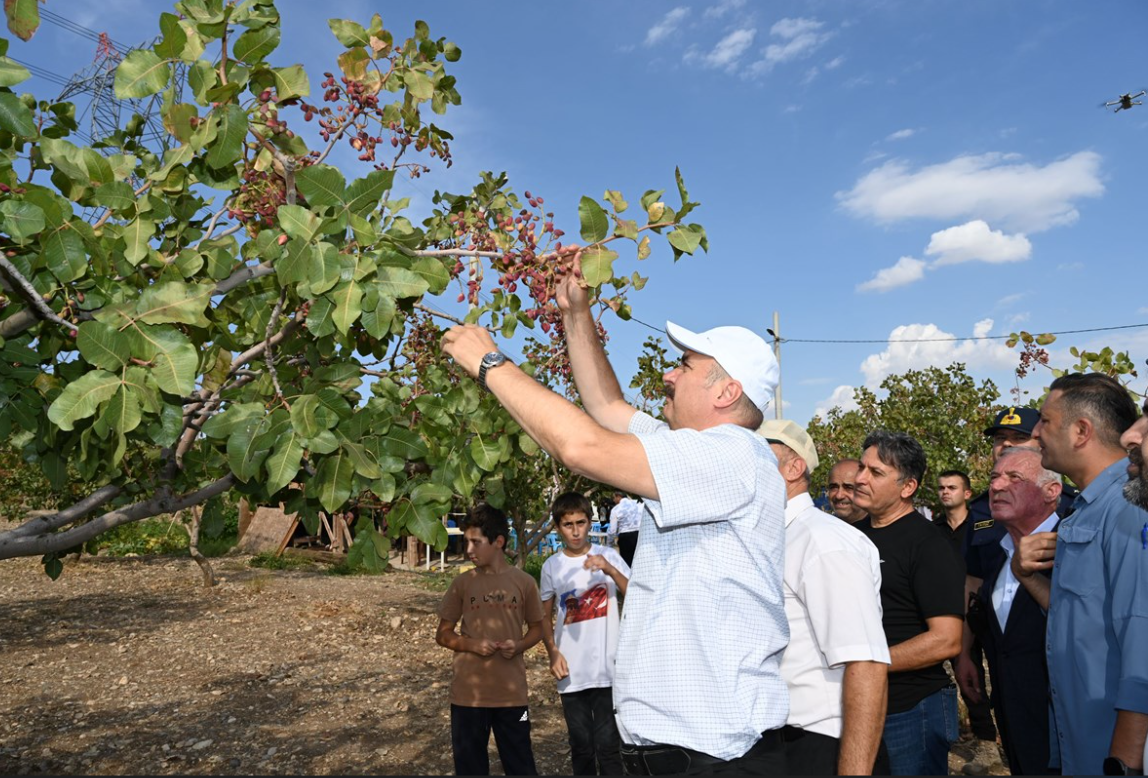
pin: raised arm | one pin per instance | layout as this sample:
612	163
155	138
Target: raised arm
557	425
594	378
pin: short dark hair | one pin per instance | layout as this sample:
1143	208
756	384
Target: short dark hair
901	451
571	502
1099	398
961	474
491	520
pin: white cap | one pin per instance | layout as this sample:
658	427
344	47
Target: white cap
741	353
789	433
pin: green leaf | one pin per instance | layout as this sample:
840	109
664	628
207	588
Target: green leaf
173	357
175	302
64	253
283	465
349	33
364	193
433	272
303	417
614	197
227	147
377	320
685	239
82	397
348	297
334	481
21	220
103	345
325	269
399	282
420	87
294	265
137	235
142	73
117	196
291	82
595	223
364	461
428	493
485	451
223	424
254	45
298	222
53	567
123	411
426	525
174	37
243	455
15	116
451	52
321	184
12	73
598	265
23	20
403	443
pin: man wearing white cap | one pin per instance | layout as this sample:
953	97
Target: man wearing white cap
697	685
837	662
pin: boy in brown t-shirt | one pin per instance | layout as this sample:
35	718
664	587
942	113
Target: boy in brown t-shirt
494	602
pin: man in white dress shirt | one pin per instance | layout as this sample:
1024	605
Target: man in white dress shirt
697	685
836	665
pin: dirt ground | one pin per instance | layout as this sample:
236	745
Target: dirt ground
129	666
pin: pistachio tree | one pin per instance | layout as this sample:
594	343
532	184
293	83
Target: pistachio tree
232	313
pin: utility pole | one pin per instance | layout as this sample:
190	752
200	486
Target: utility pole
775	333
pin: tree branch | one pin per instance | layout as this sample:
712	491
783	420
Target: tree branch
15	546
53	521
31	296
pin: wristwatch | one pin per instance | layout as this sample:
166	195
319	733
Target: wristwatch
493	359
1114	766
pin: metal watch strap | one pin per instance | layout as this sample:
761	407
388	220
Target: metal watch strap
493	359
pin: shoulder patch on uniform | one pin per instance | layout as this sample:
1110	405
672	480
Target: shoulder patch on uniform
983	524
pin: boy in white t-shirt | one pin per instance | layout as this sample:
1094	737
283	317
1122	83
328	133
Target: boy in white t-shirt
584	579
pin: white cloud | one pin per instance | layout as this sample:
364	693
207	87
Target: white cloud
799	38
842	398
1070	267
727	51
791	109
906	271
1142	311
666	26
975	241
917	346
1011	299
901	134
722	8
835	63
993	186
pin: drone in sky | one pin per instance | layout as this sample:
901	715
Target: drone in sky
1126	101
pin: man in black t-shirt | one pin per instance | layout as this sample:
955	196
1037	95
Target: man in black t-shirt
922	592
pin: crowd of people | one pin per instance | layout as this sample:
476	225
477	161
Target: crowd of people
761	635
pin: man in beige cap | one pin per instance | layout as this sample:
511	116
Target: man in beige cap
837	661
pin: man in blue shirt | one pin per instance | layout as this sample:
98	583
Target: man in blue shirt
1135	442
1098	597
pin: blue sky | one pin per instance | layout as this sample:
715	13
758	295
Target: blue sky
872	171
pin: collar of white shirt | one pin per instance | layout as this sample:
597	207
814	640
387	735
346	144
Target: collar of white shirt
1010	547
796	505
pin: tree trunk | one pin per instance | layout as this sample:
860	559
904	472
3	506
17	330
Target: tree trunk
245	516
193	547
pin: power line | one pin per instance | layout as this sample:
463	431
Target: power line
78	29
923	340
952	339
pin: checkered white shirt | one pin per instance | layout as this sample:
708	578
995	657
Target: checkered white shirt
703	625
